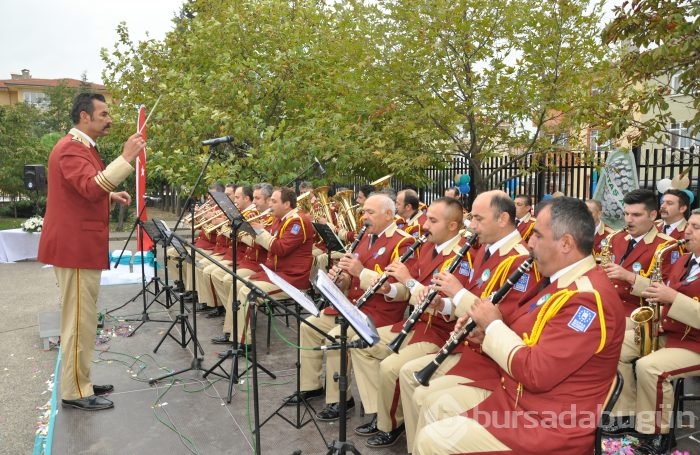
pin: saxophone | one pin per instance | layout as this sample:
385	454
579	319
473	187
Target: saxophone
647	318
605	256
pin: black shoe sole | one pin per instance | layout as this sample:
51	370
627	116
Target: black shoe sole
83	408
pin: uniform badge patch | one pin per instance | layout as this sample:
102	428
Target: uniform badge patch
637	267
380	252
582	320
464	269
521	285
674	256
295	229
415	234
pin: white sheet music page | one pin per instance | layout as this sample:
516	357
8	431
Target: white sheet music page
298	296
357	319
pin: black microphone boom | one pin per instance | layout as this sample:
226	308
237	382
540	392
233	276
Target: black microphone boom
321	169
218	140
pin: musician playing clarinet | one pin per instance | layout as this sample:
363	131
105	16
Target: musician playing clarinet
556	361
502	252
377	368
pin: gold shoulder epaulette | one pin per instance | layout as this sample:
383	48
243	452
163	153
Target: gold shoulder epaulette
77	137
521	249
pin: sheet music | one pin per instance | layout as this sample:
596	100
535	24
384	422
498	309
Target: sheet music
358	320
298	296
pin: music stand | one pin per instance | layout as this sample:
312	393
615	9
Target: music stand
301	300
364	327
182	318
330	239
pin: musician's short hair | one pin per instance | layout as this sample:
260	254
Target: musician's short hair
642	196
84	102
597	203
387	204
410	197
247	192
525	197
217	186
366	189
288	195
265	188
454	208
502	203
571	216
683	199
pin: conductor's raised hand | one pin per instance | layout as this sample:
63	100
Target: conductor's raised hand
133	146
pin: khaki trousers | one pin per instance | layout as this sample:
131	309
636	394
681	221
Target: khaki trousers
412	393
79	290
650	396
223	286
243	314
205	290
377	374
312	361
441	428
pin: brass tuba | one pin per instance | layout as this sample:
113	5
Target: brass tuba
324	211
647	319
347	217
383	182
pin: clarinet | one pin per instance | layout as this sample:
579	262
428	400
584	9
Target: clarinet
395	345
385	276
456	338
353	246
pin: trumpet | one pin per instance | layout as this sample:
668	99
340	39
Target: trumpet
456	338
199	211
385	276
395	345
266	212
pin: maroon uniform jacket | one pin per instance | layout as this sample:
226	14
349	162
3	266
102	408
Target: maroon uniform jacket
289	245
678	233
433	328
388	246
525	228
600	234
414	225
76	226
640	258
551	392
683	333
520	293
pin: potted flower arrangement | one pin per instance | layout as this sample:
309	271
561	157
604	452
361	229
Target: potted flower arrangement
33	224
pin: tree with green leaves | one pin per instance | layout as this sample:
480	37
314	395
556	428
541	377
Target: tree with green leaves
19	145
658	40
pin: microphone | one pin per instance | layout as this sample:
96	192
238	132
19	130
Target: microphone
151	198
357	344
218	140
321	169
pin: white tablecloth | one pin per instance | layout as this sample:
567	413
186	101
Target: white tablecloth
16	245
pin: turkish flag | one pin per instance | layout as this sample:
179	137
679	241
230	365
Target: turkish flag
141	184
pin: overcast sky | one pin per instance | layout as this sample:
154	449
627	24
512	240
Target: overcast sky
54	39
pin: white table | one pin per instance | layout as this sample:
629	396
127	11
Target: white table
16	245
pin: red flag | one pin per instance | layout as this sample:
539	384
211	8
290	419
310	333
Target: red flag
141	183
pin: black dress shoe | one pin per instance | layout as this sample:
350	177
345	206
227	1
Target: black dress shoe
332	411
369	428
91	403
651	444
618	425
102	389
188	296
222	339
384	438
216	312
201	307
245	348
305	394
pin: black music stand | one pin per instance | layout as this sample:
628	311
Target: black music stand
302	300
237	349
333	243
182	318
156	234
364	327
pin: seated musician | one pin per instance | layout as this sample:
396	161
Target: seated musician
601	230
502	252
382	243
647	395
377	368
523	218
407	207
556	360
288	242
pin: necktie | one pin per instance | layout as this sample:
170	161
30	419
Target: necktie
692	263
630	247
517	221
667	227
487	255
544	282
372	238
435	253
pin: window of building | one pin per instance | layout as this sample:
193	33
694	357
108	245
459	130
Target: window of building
36	99
675	84
593	142
679	137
